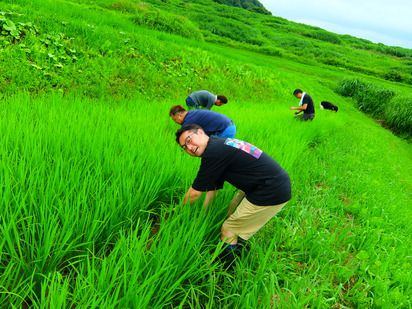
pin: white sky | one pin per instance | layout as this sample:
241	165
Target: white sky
379	21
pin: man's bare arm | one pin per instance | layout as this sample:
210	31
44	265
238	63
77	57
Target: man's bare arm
299	108
210	195
191	196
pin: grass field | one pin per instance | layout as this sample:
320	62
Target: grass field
80	179
88	160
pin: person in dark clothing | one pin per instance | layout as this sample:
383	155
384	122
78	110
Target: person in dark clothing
205	99
305	105
329	106
211	122
264	184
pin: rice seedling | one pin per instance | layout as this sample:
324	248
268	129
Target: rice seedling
77	193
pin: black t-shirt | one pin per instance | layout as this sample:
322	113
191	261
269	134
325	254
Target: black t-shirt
310	109
244	166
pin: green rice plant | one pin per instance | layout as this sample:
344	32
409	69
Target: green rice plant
81	179
398	114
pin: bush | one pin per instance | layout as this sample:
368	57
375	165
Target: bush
252	5
269	50
231	29
369	98
323	36
160	20
372	99
398	115
12	32
349	87
393	75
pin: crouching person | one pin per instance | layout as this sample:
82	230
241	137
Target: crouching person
265	184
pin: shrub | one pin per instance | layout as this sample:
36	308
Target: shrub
272	51
334	61
393	75
231	29
323	36
12	32
393	51
369	98
160	20
372	99
349	87
252	5
398	115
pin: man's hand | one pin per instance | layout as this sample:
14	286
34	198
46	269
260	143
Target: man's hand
191	196
299	108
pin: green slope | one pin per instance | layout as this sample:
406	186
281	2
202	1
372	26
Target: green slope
88	155
252	5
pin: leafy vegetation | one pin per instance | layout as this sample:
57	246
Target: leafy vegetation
369	98
242	28
251	5
89	166
380	103
398	114
78	192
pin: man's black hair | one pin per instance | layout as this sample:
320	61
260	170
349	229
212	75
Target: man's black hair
187	127
176	109
297	91
222	98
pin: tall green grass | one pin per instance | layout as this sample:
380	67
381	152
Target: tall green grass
369	98
80	180
398	114
380	103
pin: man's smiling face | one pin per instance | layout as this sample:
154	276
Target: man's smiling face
194	143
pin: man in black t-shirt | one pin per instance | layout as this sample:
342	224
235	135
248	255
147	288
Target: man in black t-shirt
265	184
305	105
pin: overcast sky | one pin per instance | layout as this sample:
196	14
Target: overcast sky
379	21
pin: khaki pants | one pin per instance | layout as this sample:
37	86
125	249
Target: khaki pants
245	219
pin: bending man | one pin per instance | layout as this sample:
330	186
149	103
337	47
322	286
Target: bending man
265	184
205	99
211	122
305	105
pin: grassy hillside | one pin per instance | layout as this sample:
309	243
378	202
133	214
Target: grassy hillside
251	5
56	56
88	159
279	37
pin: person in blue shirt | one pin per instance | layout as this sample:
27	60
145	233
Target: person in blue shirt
214	124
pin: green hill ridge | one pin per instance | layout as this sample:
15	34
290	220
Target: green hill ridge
252	5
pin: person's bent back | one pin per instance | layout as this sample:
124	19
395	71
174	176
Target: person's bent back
213	123
204	99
